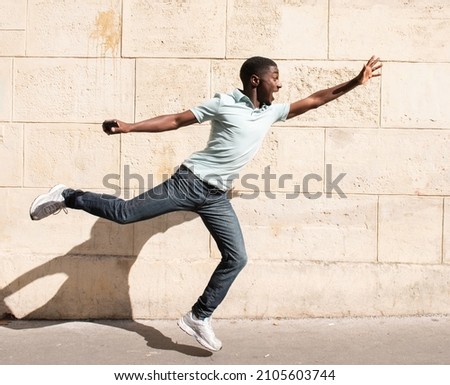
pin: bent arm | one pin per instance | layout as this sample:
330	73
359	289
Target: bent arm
322	97
157	124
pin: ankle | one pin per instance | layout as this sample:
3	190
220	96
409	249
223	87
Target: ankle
197	318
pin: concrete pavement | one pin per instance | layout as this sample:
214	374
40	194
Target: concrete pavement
409	340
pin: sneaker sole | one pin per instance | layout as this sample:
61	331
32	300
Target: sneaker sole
35	204
187	329
39	199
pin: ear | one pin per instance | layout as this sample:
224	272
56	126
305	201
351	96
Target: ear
254	80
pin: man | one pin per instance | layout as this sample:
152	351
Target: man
239	122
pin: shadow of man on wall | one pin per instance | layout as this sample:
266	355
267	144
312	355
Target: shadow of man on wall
99	282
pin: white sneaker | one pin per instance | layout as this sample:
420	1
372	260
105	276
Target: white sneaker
48	203
201	330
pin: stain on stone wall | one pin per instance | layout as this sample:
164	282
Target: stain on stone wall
108	32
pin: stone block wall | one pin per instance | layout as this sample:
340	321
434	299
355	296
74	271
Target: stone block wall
381	247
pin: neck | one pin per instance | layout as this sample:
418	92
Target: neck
251	93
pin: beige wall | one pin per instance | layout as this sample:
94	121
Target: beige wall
384	249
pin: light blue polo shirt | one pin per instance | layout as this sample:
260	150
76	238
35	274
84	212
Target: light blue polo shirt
237	132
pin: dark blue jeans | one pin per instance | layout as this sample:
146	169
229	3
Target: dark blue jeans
183	191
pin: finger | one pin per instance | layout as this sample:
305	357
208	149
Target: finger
377	67
373	61
372	58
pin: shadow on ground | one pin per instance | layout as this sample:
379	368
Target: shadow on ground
99	282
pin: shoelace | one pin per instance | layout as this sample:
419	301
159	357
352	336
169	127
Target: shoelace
63	209
58	206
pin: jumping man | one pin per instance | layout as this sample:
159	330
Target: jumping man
239	122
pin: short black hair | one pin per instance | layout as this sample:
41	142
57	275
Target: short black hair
255	65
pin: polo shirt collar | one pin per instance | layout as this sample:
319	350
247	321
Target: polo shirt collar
239	96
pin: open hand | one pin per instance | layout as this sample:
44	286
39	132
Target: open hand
370	70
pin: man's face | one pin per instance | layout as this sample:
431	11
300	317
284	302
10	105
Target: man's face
269	83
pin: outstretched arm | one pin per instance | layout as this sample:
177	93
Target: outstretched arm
322	97
157	124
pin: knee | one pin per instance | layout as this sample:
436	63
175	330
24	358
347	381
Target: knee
124	213
122	221
240	261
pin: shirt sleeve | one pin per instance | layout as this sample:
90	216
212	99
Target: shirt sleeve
283	111
208	110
